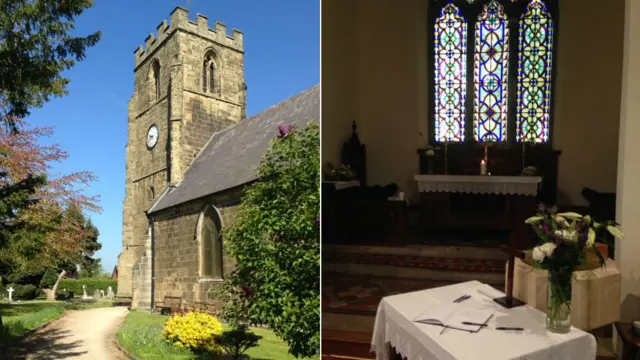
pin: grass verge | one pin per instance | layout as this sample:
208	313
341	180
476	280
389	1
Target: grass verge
141	335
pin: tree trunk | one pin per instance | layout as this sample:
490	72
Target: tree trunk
51	293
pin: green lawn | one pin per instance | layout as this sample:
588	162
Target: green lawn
141	334
22	318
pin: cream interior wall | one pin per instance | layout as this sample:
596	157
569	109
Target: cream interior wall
374	71
338	75
628	195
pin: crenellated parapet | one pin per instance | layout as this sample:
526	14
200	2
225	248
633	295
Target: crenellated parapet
180	20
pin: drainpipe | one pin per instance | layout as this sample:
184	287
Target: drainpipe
153	262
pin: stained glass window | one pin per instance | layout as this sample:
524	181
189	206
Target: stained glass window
534	74
491	69
450	74
507	96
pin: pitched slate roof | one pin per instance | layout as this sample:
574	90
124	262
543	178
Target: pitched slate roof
231	157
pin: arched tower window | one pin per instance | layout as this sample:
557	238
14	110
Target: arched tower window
156	78
209	72
492	68
211	263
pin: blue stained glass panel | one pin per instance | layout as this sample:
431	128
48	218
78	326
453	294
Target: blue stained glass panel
491	70
534	74
450	48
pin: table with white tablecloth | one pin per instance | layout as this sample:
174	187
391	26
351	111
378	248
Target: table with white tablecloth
394	326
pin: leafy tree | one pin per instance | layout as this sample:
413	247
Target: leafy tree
36	47
51	232
276	240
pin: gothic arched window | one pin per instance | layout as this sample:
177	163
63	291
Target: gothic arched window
156	78
497	86
209	73
211	264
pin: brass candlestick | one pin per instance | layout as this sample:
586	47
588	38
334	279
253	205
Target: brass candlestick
446	158
524	157
525	142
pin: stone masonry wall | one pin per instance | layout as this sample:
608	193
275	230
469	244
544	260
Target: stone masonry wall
186	117
177	248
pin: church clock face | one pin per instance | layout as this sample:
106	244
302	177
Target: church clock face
152	136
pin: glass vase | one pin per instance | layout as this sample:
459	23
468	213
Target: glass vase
559	302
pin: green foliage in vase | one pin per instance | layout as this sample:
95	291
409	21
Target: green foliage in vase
276	240
564	236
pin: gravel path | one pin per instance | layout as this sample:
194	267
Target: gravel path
84	334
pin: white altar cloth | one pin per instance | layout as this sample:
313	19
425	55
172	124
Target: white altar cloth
415	341
479	184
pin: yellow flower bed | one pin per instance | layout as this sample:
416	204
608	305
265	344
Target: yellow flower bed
195	330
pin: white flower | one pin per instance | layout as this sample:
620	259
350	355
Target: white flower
541	252
569	236
592	237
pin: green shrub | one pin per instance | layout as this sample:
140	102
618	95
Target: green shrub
75	286
235	342
49	279
195	330
276	237
23	292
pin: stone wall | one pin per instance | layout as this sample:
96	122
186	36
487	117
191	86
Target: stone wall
177	248
186	116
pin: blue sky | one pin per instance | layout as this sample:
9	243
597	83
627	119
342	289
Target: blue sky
282	51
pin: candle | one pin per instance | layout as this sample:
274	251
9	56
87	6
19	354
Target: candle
483	168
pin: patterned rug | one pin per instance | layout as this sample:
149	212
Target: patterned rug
360	295
421	262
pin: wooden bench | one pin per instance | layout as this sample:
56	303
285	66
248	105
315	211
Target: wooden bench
210	307
171	304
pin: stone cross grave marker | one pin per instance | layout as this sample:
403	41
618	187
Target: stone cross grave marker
10	290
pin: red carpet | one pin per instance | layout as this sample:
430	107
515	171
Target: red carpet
360	295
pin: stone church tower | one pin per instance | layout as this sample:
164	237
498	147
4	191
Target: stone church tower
189	84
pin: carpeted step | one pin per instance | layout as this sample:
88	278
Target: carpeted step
346	345
408	272
429	251
416	261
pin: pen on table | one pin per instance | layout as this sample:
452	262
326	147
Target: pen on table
509	328
462	298
473	324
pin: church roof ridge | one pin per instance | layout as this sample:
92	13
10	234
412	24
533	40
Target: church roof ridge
231	157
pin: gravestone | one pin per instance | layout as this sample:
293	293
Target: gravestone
84	293
110	294
101	294
96	294
10	290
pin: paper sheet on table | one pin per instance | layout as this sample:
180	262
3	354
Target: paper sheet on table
453	315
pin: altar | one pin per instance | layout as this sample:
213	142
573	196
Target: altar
478	202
